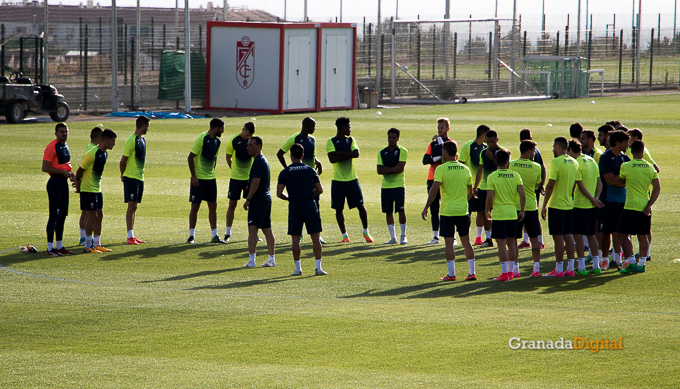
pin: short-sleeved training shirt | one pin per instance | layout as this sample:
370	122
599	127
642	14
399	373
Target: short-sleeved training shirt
504	183
343	170
93	165
237	147
89	147
610	163
488	166
639	175
135	150
470	155
206	149
308	143
299	180
595	153
391	158
588	173
530	172
563	170
647	156
260	169
454	178
434	149
58	155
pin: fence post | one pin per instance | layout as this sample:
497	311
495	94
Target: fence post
125	58
85	51
590	46
21	55
651	57
100	37
37	55
200	38
2	50
132	73
418	55
177	44
164	35
382	60
632	62
434	49
524	46
455	53
80	44
368	49
152	28
566	38
557	44
490	54
620	57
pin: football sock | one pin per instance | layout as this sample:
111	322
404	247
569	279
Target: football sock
649	250
617	258
630	260
60	245
365	230
390	228
214	232
88	241
515	268
345	235
540	239
271	259
471	265
537	267
50	246
229	231
596	262
479	232
251	257
642	262
581	264
82	233
570	265
97	240
504	267
192	232
318	264
452	268
403	229
298	266
559	267
526	238
436	234
488	234
131	234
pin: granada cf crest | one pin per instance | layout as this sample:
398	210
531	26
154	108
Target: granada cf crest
245	62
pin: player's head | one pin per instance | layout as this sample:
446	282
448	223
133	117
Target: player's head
482	130
618	140
107	140
503	158
254	146
450	149
603	134
142	124
637	148
308	125
61	132
635	134
574	148
560	146
296	152
96	135
247	130
525	134
343	126
393	135
492	139
587	140
616	124
217	126
575	130
527	149
443	125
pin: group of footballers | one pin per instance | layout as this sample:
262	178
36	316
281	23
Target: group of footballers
592	199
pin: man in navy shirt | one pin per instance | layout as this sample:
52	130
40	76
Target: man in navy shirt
303	186
259	203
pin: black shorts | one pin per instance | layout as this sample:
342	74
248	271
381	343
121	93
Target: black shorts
57	194
429	186
560	221
90	201
392	199
206	191
346	189
260	213
303	213
530	222
503	229
481	194
635	223
475	205
237	189
449	224
585	221
133	189
611	214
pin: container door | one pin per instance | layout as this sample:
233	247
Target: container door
298	72
336	71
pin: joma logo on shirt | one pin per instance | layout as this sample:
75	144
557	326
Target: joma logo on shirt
639	165
454	167
524	165
505	175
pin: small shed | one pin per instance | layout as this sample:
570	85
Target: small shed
281	67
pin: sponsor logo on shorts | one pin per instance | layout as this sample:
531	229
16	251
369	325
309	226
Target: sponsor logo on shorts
92	205
132	196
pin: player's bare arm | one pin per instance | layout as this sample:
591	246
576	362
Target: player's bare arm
192	169
279	192
253	189
123	164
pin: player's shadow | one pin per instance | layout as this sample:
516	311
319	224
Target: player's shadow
245	284
201	250
192	275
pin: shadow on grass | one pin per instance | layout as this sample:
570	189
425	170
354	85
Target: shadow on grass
193	275
246	284
541	285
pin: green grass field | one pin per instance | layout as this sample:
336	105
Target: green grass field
167	314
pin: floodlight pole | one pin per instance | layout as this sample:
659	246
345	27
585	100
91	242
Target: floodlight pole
137	65
46	45
304	19
637	45
340	11
393	55
512	44
225	9
447	29
578	32
187	59
114	57
378	44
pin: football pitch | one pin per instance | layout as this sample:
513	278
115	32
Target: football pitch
170	314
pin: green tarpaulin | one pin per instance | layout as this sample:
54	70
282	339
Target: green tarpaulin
171	76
